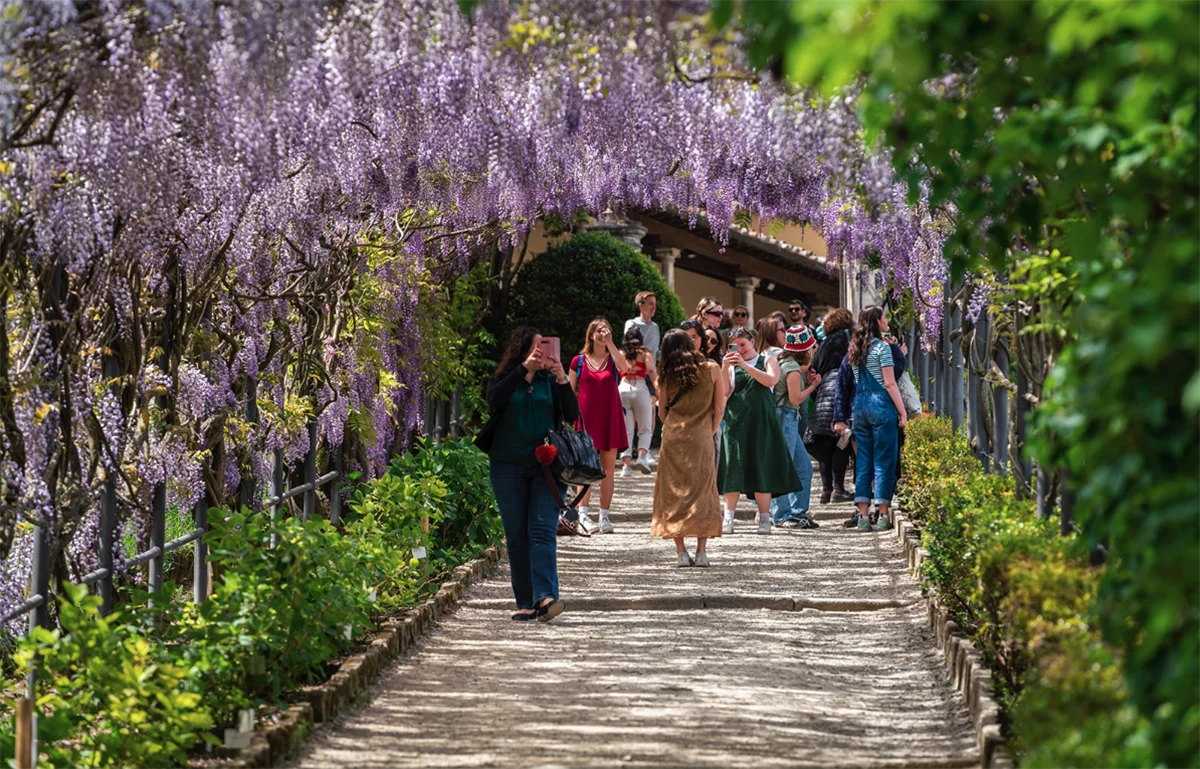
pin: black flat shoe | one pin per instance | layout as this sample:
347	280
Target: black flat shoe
525	616
549	611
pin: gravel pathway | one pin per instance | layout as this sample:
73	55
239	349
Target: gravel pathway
674	685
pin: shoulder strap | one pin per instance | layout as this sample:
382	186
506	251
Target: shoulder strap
675	400
579	368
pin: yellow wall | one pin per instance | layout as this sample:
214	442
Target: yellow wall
690	286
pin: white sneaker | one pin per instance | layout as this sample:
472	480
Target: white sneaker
702	560
764	525
627	471
644	465
685	560
606	526
586	523
727	524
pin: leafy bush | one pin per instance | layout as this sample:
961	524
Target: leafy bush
591	275
468	521
149	682
116	696
1026	596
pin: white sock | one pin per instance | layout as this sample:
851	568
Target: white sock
583	511
729	514
603	515
764	516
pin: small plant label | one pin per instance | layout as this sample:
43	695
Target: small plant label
419	552
349	631
371	596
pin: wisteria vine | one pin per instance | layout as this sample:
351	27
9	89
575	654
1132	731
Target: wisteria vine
214	207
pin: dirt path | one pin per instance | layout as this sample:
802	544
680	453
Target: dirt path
637	673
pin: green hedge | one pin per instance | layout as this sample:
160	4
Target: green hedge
592	275
146	684
1026	595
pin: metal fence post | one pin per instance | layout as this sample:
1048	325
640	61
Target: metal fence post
310	473
956	371
276	491
456	417
944	385
1066	505
978	352
335	488
158	531
248	485
200	552
108	499
1000	411
923	372
1042	490
1024	461
39	617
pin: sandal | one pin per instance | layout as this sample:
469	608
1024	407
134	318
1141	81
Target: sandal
549	611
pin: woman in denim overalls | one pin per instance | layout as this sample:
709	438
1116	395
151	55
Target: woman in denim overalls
879	415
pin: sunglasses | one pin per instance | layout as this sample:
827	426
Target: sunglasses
795	309
740	315
714	313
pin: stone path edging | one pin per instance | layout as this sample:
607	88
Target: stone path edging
967	670
678	602
274	743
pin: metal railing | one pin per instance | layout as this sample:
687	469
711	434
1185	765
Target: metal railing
442	418
957	386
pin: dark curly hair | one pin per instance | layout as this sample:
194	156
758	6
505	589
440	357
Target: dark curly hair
679	365
632	344
866	331
518	348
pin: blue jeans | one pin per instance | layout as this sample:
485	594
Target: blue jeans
530	515
793	506
876	437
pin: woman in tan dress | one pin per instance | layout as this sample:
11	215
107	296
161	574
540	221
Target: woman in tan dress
691	402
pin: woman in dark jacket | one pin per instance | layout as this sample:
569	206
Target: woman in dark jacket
824	446
529	394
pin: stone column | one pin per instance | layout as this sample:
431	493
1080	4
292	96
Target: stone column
625	230
748	285
668	257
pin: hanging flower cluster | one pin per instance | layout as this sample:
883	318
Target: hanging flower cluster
215	209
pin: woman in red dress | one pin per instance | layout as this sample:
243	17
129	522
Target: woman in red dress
595	374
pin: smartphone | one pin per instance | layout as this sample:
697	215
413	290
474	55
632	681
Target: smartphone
733	348
550	347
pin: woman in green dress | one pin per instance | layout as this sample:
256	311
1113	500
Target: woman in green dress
754	456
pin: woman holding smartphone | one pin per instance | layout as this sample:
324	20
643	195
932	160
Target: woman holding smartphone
595	373
527	392
754	456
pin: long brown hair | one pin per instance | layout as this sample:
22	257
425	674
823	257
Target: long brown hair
767	330
517	350
802	358
866	331
679	365
587	340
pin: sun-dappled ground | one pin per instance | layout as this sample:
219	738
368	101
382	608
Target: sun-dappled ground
673	685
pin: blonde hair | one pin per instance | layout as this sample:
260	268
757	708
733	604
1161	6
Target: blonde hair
591	332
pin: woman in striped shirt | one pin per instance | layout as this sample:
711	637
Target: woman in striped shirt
878	416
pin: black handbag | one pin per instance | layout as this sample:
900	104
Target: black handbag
576	461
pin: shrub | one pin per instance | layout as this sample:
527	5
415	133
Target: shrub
591	275
1026	596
